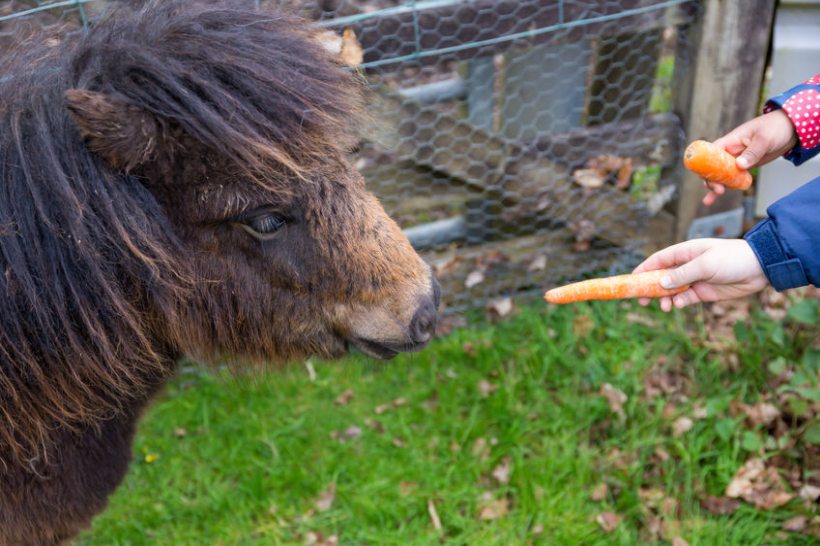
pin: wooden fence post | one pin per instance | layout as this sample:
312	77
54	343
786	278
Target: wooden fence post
722	89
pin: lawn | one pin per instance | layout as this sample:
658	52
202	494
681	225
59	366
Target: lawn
600	423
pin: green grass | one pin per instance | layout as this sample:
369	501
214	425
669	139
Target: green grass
257	453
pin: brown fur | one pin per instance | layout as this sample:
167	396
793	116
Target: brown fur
174	182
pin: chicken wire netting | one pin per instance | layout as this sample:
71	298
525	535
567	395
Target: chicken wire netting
519	143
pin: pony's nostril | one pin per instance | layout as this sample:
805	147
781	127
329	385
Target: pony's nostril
423	325
436	292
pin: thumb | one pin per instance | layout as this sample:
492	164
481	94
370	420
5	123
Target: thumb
753	153
687	273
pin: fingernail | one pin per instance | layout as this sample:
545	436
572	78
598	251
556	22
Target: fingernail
666	282
742	161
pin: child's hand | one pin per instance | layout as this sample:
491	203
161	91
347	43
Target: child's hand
756	142
717	269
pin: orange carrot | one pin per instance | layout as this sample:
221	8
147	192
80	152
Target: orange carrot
634	285
714	164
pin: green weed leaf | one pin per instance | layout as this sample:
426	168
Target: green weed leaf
725	428
812	434
778	365
804	312
750	441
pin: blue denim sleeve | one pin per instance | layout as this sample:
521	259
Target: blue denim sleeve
787	243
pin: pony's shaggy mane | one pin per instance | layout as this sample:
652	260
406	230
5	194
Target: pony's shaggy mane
91	273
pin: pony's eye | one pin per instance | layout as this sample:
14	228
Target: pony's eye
263	225
266	224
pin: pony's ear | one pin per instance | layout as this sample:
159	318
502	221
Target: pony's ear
123	134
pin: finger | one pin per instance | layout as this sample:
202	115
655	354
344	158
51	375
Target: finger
686	274
718	189
666	304
674	255
709	198
754	152
715	190
685	298
733	142
644	301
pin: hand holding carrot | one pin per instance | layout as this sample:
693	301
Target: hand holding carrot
715	269
755	142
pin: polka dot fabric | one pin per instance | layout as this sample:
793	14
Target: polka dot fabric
802	105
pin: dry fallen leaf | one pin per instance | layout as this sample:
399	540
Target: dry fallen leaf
607	162
325	500
485	388
474	278
608	521
469	349
700	412
652	496
719	505
660	381
761	413
374	424
317	539
491	258
624	176
741	483
641	318
344	398
758	485
447	267
796	524
661	454
600	492
490	509
678	541
669	411
502	472
670	506
399	442
500	308
448	323
654	526
481	449
538	264
434	519
406	488
381	408
619	459
681	426
582	325
584	231
589	178
809	492
615	397
352	432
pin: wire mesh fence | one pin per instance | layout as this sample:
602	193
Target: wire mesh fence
519	143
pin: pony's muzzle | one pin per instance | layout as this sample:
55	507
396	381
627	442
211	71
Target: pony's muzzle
423	323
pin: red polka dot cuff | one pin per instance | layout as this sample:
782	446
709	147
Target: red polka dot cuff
802	105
